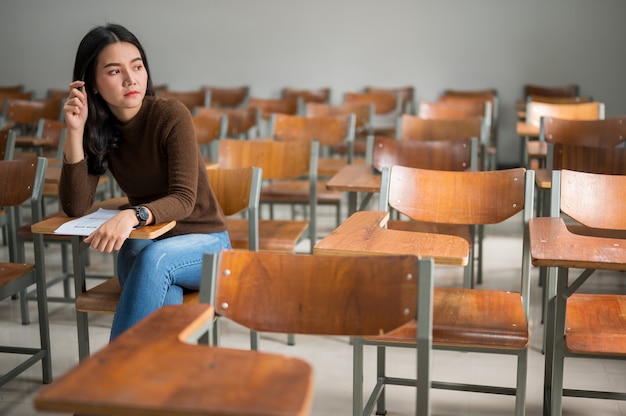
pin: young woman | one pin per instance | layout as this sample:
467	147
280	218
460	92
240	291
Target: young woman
115	123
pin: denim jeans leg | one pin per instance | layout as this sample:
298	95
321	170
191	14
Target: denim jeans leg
153	273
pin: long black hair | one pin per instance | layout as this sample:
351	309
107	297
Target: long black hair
101	134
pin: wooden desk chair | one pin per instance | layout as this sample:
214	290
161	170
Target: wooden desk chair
364	116
11	95
387	108
327	131
467	320
454	108
303	96
228	97
488	95
209	129
568	90
418	128
594	322
52	93
12	88
449	155
603	133
326	295
191	99
147	368
27	113
266	107
279	161
20	185
536	110
406	94
242	122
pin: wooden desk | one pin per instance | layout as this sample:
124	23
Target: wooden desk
33	142
553	245
363	233
152	370
353	179
79	252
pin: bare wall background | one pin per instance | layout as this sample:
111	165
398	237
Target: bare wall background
342	44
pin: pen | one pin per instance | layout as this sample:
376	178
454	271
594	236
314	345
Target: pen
82	78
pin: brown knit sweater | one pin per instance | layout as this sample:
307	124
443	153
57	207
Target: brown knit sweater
157	165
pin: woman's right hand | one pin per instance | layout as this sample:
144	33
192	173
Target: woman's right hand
75	110
75	107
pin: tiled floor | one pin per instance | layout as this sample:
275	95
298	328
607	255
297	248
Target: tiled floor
332	356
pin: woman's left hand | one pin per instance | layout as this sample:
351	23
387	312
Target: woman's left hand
112	234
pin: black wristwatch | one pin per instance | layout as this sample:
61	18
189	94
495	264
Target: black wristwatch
142	214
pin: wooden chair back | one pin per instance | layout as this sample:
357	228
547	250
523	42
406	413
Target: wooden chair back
608	132
268	106
417	128
304	96
453	155
209	129
237	191
560	100
455	108
53	130
242	122
60	93
363	113
405	94
603	160
278	160
27	113
450	197
228	97
312	294
327	130
191	99
583	111
12	88
385	103
569	90
15	95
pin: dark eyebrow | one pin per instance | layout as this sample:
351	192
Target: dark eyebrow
117	64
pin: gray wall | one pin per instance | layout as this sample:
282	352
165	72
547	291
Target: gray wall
343	44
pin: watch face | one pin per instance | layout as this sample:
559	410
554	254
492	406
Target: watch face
143	214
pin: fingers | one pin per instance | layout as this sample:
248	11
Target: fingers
76	103
104	244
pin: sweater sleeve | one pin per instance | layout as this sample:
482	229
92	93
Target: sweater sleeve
77	188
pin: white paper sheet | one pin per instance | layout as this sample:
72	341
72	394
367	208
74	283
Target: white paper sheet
86	224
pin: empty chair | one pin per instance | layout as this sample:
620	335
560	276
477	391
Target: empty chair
267	106
242	122
11	95
418	128
209	129
586	325
467	320
228	97
280	162
536	110
20	185
326	295
568	90
303	96
450	155
27	113
364	116
191	99
406	94
387	108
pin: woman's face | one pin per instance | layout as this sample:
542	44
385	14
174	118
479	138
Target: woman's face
121	79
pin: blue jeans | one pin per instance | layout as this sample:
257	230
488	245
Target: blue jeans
153	273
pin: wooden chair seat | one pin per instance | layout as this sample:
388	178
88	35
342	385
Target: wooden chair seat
298	191
274	235
591	314
14	271
471	318
104	297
